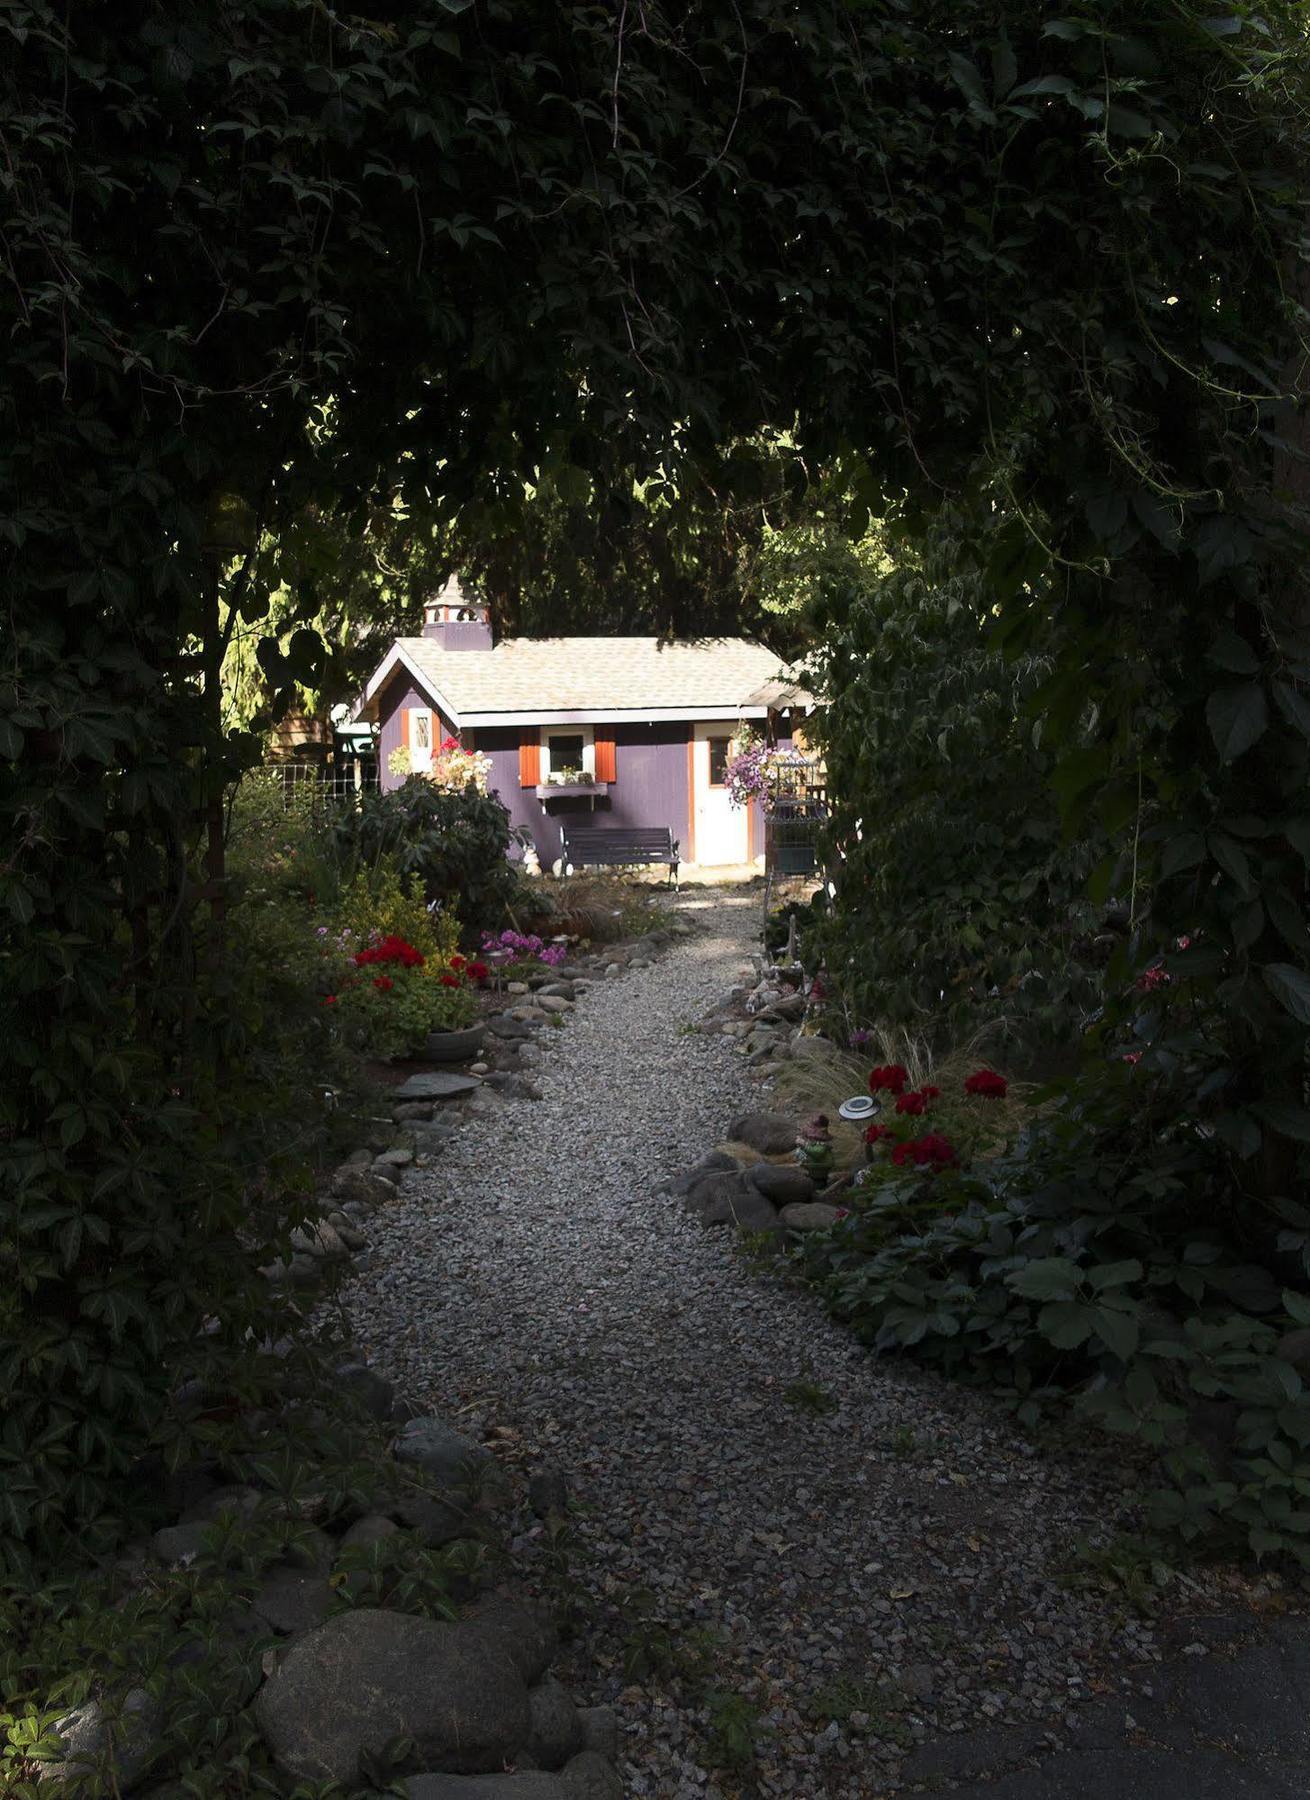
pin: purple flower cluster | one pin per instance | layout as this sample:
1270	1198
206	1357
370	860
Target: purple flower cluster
519	946
747	775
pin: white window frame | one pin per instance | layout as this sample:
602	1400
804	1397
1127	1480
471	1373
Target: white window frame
420	758
585	732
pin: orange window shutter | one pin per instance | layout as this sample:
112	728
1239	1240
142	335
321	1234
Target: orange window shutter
529	759
606	760
404	727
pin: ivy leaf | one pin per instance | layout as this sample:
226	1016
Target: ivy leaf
1046	1278
1182	852
970	84
1297	1306
1247	925
1231	857
1286	1117
1065	1324
1115	1274
1287	918
1005	69
1049	84
1290	986
1293	705
1117	1330
1228	651
1239	1131
1237	715
1159	519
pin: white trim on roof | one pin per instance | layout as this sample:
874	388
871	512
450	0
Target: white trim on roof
620	714
387	667
397	656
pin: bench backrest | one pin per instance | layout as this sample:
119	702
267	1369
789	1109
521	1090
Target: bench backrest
612	841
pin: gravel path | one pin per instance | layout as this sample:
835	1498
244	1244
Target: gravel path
844	1585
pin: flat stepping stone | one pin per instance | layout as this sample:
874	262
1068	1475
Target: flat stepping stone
437	1087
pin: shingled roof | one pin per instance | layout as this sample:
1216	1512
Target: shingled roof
522	680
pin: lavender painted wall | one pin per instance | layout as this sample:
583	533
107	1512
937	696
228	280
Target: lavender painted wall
400	693
651	768
650	785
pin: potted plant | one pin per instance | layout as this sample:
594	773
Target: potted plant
401	1003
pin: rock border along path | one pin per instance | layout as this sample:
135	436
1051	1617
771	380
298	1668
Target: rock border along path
873	1590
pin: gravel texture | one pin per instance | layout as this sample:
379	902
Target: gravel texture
842	1587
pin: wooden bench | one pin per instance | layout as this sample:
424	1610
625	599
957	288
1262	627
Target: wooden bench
617	847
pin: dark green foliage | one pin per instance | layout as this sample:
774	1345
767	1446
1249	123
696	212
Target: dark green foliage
187	1633
959	905
260	258
1108	1262
457	844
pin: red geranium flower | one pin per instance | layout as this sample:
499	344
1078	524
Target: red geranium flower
932	1151
450	981
916	1102
392	949
383	983
986	1084
890	1076
457	962
876	1133
478	971
450	743
331	1000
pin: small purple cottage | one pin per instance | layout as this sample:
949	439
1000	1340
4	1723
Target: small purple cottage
622	731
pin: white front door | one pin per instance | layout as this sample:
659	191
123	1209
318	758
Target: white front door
722	829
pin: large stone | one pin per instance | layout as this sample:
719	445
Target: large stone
435	1521
348	1231
527	1784
317	1239
714	1191
556	1732
521	1632
371	1529
553	1003
221	1501
179	1543
769	1133
298	1271
123	1741
782	1183
431	1444
589	1777
437	1086
293	1600
732	1200
502	1026
362	1185
811	1215
368	1676
369	1390
600	1731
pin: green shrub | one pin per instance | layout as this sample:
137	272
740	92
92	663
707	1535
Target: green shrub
378	901
456	844
1104	1264
959	902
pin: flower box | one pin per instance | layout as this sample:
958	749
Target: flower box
572	790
